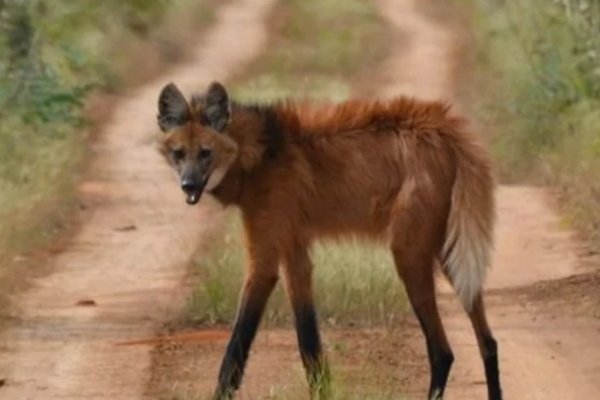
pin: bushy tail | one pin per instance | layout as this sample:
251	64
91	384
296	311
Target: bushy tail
469	236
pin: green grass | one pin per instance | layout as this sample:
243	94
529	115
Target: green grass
318	48
317	51
543	100
355	284
293	392
343	389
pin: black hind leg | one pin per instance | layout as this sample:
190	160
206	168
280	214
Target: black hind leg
298	272
487	347
418	279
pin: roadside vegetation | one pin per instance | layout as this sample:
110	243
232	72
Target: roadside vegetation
355	284
316	51
53	55
296	390
540	64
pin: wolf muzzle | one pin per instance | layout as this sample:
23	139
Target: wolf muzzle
193	189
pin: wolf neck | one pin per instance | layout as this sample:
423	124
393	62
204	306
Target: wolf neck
258	133
260	137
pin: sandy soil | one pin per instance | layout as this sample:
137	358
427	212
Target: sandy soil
121	274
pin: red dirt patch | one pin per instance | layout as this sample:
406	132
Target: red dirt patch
201	336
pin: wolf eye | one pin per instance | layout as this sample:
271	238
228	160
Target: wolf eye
178	154
204	153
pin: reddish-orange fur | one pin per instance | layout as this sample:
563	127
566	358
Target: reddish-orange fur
341	168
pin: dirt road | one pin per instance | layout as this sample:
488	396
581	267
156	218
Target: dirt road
545	353
126	263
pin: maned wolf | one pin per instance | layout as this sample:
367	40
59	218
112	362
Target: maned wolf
403	172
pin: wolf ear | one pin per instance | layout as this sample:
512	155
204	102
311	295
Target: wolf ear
217	109
173	109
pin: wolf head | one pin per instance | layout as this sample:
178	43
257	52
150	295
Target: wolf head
195	141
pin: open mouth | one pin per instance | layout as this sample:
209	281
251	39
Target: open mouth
193	196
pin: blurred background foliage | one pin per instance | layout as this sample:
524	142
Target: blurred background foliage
540	60
53	54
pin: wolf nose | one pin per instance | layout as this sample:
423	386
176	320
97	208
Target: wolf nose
189	186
